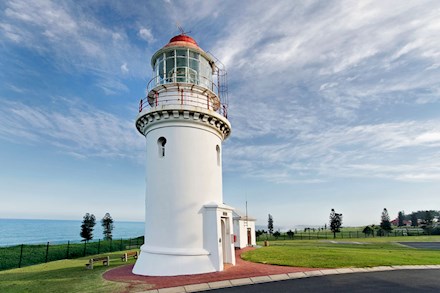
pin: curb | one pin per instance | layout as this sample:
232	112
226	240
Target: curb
281	277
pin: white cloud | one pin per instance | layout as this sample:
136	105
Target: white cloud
321	89
391	150
124	68
72	37
429	137
146	34
80	130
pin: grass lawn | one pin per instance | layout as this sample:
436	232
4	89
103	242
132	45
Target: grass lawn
64	276
378	251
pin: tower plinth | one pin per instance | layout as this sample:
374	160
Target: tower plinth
188	230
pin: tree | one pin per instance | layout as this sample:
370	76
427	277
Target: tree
290	234
277	234
335	222
414	221
385	223
400	218
368	230
107	226
270	224
428	217
258	233
87	225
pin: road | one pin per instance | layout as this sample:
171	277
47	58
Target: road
400	281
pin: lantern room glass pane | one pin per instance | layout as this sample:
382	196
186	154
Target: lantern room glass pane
194	71
193	55
169	68
182	62
161	71
205	73
180	52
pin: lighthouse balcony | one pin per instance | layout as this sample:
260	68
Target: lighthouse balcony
180	95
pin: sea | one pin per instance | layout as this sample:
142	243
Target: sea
26	231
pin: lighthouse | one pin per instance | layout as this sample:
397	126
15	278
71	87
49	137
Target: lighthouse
188	229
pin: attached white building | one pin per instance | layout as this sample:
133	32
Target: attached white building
244	229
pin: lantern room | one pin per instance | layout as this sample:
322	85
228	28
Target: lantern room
181	60
182	66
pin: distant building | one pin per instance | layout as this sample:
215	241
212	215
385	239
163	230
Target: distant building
395	222
244	229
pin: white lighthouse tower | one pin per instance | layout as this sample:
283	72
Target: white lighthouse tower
188	229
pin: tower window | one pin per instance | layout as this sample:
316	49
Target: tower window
217	148
161	146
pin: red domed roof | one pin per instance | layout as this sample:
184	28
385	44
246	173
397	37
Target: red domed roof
182	40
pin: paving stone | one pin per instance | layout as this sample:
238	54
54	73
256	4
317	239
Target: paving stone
297	275
239	282
433	266
330	272
172	290
279	277
408	267
150	291
383	268
360	270
197	287
345	270
313	273
261	279
220	284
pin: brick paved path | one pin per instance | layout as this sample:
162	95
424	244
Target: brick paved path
242	269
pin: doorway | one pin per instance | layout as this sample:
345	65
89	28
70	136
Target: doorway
249	236
224	252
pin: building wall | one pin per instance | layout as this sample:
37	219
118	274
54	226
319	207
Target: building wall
240	230
179	184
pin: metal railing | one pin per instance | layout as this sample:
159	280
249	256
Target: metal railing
184	98
339	235
199	80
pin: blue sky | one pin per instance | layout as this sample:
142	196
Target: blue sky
333	104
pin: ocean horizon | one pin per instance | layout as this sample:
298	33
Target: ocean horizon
38	231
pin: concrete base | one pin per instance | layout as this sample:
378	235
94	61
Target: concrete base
168	263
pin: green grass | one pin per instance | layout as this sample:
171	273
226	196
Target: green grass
72	276
379	251
65	276
36	253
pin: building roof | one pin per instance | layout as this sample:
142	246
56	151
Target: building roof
239	215
182	41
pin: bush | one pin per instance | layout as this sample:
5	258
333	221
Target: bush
368	230
380	232
435	231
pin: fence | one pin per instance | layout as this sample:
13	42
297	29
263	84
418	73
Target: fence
30	254
311	235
